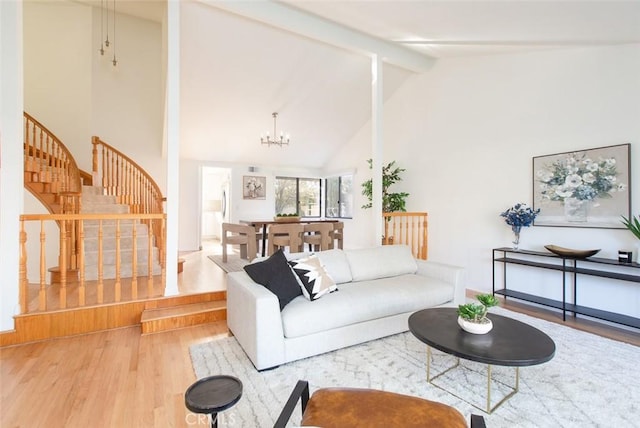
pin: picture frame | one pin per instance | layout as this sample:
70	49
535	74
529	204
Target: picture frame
583	188
254	187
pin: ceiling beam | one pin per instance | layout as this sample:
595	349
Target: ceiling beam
314	27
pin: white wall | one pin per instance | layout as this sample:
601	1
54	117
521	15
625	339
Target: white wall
76	93
11	172
127	101
467	130
57	72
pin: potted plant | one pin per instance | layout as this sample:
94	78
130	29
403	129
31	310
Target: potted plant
472	317
633	224
391	202
287	218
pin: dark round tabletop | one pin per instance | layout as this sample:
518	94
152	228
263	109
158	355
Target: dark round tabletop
509	343
213	394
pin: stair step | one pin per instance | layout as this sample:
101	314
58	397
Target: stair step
92	190
126	255
109	242
164	319
109	226
104	208
91	199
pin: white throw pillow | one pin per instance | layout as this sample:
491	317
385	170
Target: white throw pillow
314	280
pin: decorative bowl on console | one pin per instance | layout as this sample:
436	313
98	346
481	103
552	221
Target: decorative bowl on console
569	252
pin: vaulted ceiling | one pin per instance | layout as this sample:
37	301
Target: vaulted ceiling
239	67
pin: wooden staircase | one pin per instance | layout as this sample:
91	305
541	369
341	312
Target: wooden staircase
50	171
94	201
52	176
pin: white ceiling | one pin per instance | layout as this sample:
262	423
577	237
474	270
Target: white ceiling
238	70
454	28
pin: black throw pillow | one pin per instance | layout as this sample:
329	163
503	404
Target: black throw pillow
276	275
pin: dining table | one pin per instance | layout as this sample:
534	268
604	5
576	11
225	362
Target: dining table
263	224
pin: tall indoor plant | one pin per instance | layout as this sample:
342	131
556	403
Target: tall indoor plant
391	201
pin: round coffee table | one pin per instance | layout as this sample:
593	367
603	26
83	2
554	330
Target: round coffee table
213	394
510	343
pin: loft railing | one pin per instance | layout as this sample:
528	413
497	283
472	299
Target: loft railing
37	294
48	161
408	229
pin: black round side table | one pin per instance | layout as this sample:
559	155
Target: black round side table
213	394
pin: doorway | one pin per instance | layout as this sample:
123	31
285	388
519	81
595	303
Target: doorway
216	183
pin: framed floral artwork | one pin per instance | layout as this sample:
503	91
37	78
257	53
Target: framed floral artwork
253	187
585	188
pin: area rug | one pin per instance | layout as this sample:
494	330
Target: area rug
591	381
233	264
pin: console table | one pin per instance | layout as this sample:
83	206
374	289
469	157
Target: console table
592	266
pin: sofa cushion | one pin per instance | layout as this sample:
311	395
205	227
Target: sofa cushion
336	264
363	301
381	262
315	282
276	275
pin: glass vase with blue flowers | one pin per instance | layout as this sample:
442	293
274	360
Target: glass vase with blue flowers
518	216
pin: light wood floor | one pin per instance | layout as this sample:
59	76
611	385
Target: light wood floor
122	379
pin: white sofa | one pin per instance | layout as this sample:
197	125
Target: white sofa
378	288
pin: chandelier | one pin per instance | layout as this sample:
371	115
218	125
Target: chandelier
278	141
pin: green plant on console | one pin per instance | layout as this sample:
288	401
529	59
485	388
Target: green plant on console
391	202
287	215
477	312
633	224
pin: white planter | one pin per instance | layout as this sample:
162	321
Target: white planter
474	327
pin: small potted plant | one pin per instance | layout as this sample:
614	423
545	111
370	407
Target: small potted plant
472	317
633	224
287	218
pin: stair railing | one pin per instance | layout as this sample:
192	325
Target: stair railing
50	168
408	228
48	161
123	178
73	288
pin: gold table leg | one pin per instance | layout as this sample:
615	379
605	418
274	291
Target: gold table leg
488	409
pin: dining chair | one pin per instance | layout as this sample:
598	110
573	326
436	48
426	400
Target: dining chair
337	234
259	237
318	236
285	235
239	234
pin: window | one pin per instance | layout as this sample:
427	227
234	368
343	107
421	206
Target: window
339	196
301	195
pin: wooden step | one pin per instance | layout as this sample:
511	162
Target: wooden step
56	275
70	322
163	319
